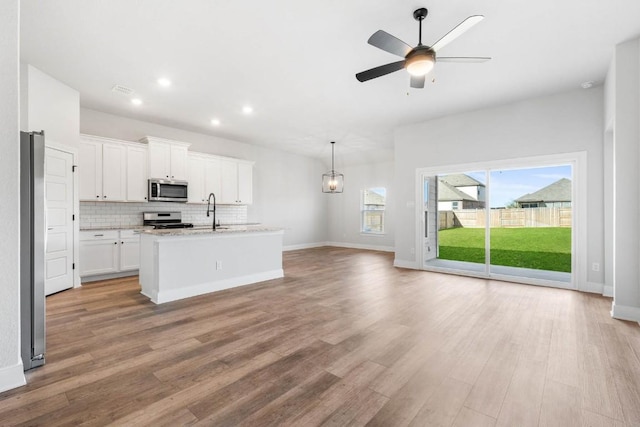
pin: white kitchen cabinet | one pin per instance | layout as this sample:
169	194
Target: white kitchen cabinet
99	252
167	159
196	179
245	183
212	177
90	170
236	182
178	162
204	177
137	184
129	250
111	170
114	173
109	251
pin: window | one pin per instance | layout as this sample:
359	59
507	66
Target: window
454	206
373	204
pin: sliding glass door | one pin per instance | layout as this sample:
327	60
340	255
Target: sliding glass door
503	222
531	222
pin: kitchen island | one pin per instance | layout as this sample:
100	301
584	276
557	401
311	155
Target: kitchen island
181	263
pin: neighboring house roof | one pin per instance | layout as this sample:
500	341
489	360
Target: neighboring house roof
460	180
559	191
449	193
373	198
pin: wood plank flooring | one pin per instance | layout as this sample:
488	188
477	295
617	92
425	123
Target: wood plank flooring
343	339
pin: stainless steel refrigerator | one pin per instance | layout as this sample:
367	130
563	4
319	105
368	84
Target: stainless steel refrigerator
32	249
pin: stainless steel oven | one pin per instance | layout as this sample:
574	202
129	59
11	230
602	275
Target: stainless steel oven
166	190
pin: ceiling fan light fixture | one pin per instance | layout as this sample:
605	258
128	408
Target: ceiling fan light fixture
420	64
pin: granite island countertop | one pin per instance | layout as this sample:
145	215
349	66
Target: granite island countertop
118	227
204	230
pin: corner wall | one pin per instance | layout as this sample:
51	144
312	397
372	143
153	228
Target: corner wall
562	123
623	108
11	374
286	186
50	106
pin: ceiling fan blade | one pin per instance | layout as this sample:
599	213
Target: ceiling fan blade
380	71
467	59
417	82
457	31
387	42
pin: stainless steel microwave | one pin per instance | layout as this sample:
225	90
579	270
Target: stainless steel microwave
167	190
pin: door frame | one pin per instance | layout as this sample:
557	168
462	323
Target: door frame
76	205
578	161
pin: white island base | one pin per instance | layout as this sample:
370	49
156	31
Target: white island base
177	264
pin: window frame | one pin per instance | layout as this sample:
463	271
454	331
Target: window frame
364	211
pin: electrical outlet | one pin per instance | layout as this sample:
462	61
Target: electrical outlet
595	266
218	265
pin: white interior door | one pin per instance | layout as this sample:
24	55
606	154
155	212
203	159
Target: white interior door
430	218
59	205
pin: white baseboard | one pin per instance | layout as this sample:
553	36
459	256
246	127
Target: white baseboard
205	288
624	312
607	291
405	264
304	246
360	246
12	377
119	275
592	287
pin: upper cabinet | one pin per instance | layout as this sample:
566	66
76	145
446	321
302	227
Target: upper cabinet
137	176
118	171
167	159
111	170
236	178
102	170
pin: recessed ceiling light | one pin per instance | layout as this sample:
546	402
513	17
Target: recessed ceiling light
586	85
215	122
136	101
164	82
247	109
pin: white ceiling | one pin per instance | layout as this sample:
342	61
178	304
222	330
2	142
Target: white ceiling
294	61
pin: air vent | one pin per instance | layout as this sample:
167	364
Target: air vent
123	90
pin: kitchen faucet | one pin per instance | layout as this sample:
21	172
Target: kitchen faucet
214	209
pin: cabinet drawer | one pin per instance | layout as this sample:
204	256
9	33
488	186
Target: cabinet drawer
99	235
127	234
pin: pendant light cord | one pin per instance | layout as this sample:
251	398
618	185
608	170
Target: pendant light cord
333	144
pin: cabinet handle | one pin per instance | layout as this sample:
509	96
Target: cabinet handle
115	243
145	197
104	197
98	197
49	228
98	235
122	243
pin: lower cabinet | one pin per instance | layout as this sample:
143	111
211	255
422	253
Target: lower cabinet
129	250
105	252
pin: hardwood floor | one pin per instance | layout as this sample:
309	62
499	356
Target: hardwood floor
343	339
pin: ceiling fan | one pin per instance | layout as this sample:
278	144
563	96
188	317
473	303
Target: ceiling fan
419	60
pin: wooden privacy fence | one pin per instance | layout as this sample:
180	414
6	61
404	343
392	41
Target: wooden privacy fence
530	217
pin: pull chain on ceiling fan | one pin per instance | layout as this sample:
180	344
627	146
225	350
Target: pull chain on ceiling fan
418	60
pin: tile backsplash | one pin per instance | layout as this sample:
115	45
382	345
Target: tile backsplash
112	214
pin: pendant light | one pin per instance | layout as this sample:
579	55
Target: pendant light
332	181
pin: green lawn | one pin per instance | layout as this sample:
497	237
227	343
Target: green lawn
538	248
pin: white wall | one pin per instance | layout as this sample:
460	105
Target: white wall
623	109
50	106
344	208
10	364
561	123
286	187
